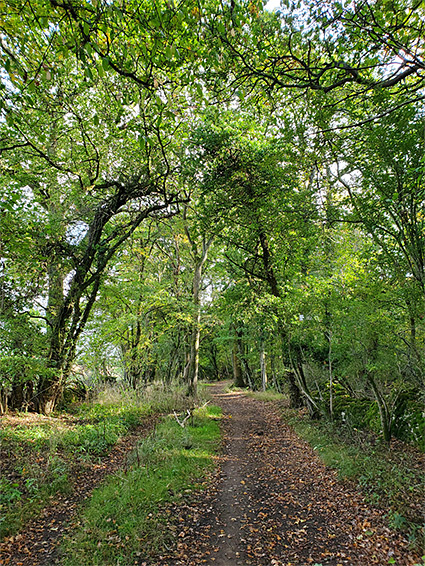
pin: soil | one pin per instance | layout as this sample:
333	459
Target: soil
274	503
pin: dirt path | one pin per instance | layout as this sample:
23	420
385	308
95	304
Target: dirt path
274	503
271	503
37	544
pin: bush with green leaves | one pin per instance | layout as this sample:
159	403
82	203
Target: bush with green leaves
18	377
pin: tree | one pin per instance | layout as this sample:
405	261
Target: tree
63	153
143	308
383	174
252	179
327	51
199	246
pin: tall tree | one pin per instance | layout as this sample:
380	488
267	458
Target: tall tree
259	203
94	157
199	247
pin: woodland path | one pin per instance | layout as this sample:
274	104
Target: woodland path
274	503
271	502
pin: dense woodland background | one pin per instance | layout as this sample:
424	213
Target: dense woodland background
210	189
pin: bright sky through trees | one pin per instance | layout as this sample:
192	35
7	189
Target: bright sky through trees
272	5
308	197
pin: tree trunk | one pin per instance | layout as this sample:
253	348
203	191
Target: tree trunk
263	368
193	364
331	394
193	369
237	368
295	397
273	372
242	357
95	251
301	384
384	413
50	390
213	352
294	391
61	353
3	401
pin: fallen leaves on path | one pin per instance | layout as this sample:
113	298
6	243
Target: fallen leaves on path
272	502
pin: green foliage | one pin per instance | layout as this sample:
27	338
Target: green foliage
409	418
361	413
143	310
318	257
125	518
86	142
93	439
36	436
268	395
21	369
21	500
101	430
9	492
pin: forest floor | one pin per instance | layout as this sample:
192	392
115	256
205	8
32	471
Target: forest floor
37	544
274	503
270	502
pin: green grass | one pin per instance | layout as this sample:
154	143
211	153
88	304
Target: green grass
44	456
44	453
35	437
20	501
268	395
387	481
125	519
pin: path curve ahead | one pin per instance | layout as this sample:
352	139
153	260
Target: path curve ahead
274	503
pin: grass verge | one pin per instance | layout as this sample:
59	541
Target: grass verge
40	455
125	519
268	395
390	478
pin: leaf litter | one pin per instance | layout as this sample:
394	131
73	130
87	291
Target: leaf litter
273	502
270	502
38	543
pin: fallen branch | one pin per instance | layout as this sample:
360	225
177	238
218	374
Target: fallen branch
183	422
189	413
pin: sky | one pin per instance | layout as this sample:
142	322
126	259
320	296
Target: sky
272	4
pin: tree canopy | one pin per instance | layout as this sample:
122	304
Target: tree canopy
213	189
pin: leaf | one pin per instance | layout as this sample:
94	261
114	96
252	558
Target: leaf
100	69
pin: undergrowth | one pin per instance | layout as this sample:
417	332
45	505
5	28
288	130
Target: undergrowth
387	478
125	519
40	455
